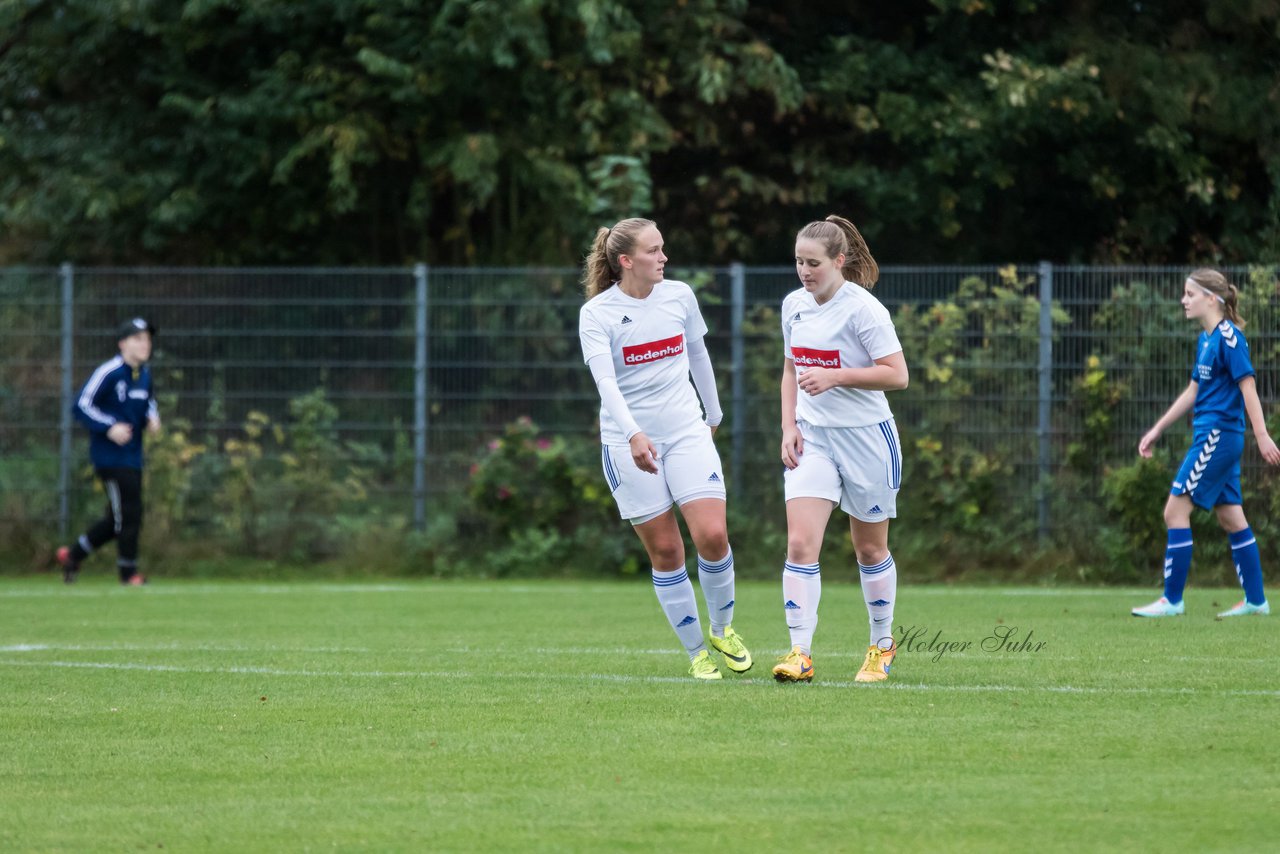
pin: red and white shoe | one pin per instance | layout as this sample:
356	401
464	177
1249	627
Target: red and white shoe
70	568
1243	609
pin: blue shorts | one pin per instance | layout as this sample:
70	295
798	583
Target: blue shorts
1211	472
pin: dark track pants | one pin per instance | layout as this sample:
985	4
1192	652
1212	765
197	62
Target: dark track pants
122	522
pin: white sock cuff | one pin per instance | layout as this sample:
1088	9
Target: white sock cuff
804	570
721	565
670	579
880	567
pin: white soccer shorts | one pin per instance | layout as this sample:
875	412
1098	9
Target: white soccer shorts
688	468
858	467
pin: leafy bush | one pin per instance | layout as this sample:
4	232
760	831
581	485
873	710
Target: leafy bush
536	505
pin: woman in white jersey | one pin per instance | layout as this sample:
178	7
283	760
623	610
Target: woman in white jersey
642	337
839	441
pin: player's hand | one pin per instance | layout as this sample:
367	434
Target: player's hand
712	428
120	433
1270	452
792	447
1147	442
644	453
153	425
817	380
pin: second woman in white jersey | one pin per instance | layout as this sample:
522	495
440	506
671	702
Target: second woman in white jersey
839	441
642	337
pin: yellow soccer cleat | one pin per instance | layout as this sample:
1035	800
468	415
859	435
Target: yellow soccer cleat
702	667
875	667
795	666
736	656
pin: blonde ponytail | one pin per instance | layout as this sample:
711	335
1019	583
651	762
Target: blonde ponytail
841	237
601	269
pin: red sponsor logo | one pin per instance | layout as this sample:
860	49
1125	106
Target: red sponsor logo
641	354
806	357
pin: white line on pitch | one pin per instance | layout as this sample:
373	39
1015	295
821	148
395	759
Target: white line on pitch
624	678
566	651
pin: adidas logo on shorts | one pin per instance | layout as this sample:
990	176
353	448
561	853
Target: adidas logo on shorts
714	478
875	509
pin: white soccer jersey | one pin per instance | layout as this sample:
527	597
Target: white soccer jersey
647	339
850	330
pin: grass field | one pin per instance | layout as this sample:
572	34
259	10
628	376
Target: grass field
556	716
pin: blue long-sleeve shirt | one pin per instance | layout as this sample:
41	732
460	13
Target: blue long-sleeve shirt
116	394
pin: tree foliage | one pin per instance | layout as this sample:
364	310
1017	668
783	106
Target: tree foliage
505	131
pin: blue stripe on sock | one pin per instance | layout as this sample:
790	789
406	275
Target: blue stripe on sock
882	566
721	566
671	582
801	568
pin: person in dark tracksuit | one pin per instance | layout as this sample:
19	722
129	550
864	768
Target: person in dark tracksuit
116	404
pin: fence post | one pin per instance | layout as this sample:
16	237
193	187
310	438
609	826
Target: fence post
420	277
66	274
737	300
1044	425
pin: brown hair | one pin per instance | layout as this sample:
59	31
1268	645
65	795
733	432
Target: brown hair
840	237
1217	284
602	269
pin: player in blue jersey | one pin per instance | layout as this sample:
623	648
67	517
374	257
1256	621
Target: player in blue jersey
1221	392
116	405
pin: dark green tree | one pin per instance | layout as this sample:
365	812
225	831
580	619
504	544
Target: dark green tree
504	131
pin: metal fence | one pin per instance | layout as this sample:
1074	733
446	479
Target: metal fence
422	366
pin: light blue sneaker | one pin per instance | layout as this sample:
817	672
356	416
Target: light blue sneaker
1160	608
1243	608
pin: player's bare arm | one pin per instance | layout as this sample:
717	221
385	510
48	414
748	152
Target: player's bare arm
888	374
1253	407
1180	407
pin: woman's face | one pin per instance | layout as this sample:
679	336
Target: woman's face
1198	303
818	273
647	258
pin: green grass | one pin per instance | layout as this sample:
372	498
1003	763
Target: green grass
556	716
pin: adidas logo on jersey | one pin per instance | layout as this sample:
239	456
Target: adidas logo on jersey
626	319
797	317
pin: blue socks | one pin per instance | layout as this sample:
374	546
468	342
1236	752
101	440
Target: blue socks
1244	554
1177	562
